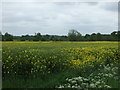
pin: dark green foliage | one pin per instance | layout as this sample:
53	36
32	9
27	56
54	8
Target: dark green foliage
25	38
37	37
7	37
73	35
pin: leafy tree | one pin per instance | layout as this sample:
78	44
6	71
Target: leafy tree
93	37
114	36
8	37
98	37
74	35
1	36
118	35
37	37
87	37
114	33
106	37
26	38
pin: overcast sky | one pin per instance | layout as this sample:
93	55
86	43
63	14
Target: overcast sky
21	18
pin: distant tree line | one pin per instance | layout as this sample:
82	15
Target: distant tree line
73	35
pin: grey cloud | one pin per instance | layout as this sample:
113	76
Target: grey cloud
57	18
111	6
92	3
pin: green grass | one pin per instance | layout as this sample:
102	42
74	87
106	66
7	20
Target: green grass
49	81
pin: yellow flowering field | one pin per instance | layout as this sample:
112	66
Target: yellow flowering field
48	57
29	58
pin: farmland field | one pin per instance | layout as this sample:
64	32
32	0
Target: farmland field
60	64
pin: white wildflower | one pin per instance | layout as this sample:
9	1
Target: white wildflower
76	84
79	77
106	75
92	80
61	86
107	68
116	68
114	73
73	82
69	80
102	82
75	78
83	84
69	86
110	75
107	86
100	65
73	86
92	85
97	83
78	87
99	86
86	79
116	78
91	74
111	64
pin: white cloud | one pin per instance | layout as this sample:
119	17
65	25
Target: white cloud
58	18
60	0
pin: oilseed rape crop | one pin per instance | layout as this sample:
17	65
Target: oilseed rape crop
26	59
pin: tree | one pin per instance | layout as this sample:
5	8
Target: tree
26	38
114	33
98	37
93	37
87	37
114	36
118	35
1	36
74	35
37	37
8	37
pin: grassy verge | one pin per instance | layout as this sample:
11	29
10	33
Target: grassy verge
105	77
48	81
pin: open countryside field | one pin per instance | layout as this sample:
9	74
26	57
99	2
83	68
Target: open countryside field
60	64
